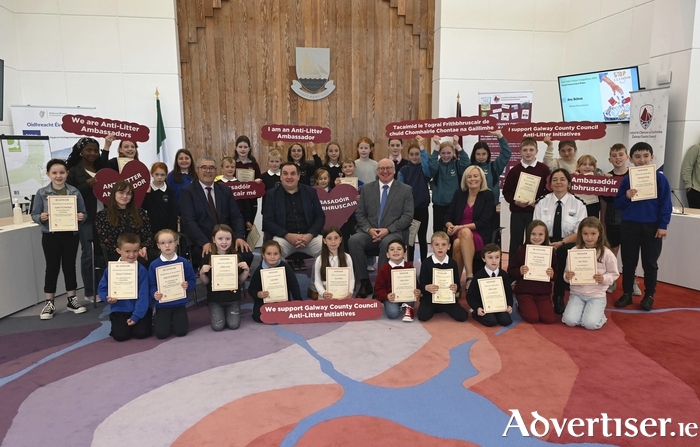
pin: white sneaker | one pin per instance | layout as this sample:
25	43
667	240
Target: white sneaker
74	306
635	290
612	288
89	299
48	311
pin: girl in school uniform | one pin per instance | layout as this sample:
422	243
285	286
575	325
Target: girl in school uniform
366	165
307	168
127	151
323	179
160	201
331	161
245	160
332	255
417	174
587	165
272	257
183	174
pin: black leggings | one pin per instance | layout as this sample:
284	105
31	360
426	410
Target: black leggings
60	250
174	318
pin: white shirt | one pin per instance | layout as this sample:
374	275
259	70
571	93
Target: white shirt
381	187
491	272
332	165
392	265
573	211
213	191
525	165
444	261
162	188
333	262
269	171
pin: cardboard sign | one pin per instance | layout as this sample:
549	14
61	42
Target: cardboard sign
322	311
444	127
580	130
294	133
134	172
92	126
339	204
597	185
246	190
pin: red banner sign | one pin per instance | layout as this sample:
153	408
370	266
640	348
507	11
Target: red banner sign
246	190
133	172
322	311
444	127
580	130
339	204
294	133
597	185
92	126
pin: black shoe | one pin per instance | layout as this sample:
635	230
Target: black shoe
365	289
559	306
625	300
647	302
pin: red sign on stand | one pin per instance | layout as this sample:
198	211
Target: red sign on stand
339	204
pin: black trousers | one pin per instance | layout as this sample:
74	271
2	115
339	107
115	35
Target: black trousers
60	251
635	237
171	319
518	225
427	309
347	230
693	198
123	332
490	320
439	213
420	214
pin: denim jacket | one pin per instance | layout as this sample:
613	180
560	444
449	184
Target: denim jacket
41	204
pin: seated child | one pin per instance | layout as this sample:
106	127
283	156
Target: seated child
170	315
322	179
396	253
271	254
224	305
129	317
534	297
587	302
440	242
332	255
491	255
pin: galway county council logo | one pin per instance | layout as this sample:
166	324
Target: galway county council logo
646	114
313	66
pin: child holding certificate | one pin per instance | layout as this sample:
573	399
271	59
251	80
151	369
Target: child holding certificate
272	257
332	255
224	305
170	278
331	162
501	297
131	316
383	290
59	234
246	161
429	302
534	295
587	301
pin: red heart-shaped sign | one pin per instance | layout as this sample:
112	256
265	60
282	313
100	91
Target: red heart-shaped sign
246	190
339	204
133	172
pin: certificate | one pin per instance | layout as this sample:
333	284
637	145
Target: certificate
123	280
169	279
443	278
412	231
245	175
538	258
121	162
493	295
274	281
349	181
526	191
224	272
338	282
253	237
63	213
403	283
643	179
583	263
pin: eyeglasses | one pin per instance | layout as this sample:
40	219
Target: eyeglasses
208	168
390	168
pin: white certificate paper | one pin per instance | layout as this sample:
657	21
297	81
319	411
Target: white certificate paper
253	237
538	258
443	278
526	191
274	281
412	231
493	295
169	279
224	272
123	280
245	175
338	282
403	284
583	263
349	181
643	179
63	213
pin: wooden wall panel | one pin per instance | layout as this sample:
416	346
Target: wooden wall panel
238	62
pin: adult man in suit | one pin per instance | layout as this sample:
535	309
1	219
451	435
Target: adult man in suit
203	205
384	213
292	214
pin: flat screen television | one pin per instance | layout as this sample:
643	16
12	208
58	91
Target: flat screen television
598	96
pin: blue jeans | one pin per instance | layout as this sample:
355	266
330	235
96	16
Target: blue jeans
85	234
393	310
585	311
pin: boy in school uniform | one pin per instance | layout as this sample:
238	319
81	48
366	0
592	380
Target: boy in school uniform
520	212
491	254
644	225
440	242
129	317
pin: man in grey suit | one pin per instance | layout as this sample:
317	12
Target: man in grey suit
384	213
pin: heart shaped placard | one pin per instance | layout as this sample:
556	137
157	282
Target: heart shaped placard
246	190
133	172
339	204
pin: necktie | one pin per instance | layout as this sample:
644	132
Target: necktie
212	208
493	274
556	231
382	203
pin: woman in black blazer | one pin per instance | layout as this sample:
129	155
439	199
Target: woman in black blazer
468	219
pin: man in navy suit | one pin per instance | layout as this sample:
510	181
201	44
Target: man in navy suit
205	204
292	214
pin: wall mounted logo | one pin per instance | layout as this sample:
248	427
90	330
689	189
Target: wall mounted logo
646	115
313	67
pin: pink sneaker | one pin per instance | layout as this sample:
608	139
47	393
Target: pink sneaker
407	313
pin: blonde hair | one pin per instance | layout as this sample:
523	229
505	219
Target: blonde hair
463	184
274	153
440	235
587	159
